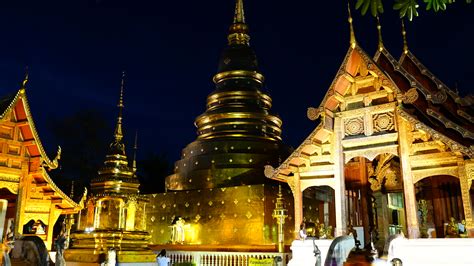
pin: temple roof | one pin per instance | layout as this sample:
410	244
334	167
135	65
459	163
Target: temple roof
18	103
419	100
319	140
437	106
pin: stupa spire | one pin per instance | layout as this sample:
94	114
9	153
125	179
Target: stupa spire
239	16
379	31
353	40
135	148
404	36
25	80
238	31
116	167
118	134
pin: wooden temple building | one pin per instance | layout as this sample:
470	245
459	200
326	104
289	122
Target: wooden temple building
30	201
392	151
218	195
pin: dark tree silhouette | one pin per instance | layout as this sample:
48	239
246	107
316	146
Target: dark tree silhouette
84	140
152	171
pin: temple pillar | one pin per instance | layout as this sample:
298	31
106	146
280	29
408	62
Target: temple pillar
53	217
298	202
339	181
131	211
465	182
404	141
22	198
364	195
121	219
144	217
97	211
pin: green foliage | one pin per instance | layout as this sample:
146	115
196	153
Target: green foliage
437	4
376	6
184	264
406	8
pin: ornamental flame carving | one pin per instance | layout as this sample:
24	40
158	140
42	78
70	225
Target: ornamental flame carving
410	96
314	113
384	173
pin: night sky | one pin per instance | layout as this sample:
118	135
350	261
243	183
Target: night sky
76	51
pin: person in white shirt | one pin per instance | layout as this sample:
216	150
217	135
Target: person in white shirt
162	259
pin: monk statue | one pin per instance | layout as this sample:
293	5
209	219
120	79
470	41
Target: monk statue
177	231
302	233
463	229
452	229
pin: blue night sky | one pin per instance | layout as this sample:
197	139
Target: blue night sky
76	51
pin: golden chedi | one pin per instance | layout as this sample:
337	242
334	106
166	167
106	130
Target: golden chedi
237	134
218	187
113	220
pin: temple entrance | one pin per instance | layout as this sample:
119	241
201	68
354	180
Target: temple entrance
439	204
358	197
387	196
319	212
374	197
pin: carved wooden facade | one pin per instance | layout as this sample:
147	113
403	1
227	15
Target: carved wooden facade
24	166
394	113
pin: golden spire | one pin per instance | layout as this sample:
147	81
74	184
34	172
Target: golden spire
25	80
404	35
351	27
118	128
280	195
379	30
135	148
71	194
239	16
238	31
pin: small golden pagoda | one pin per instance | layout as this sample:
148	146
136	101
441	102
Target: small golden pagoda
392	151
30	202
114	216
218	187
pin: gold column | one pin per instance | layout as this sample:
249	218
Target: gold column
97	211
364	202
23	190
339	181
404	141
466	181
49	232
78	224
121	220
280	214
131	210
143	227
298	202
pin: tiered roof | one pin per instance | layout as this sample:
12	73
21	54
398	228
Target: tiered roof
18	103
425	100
438	107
